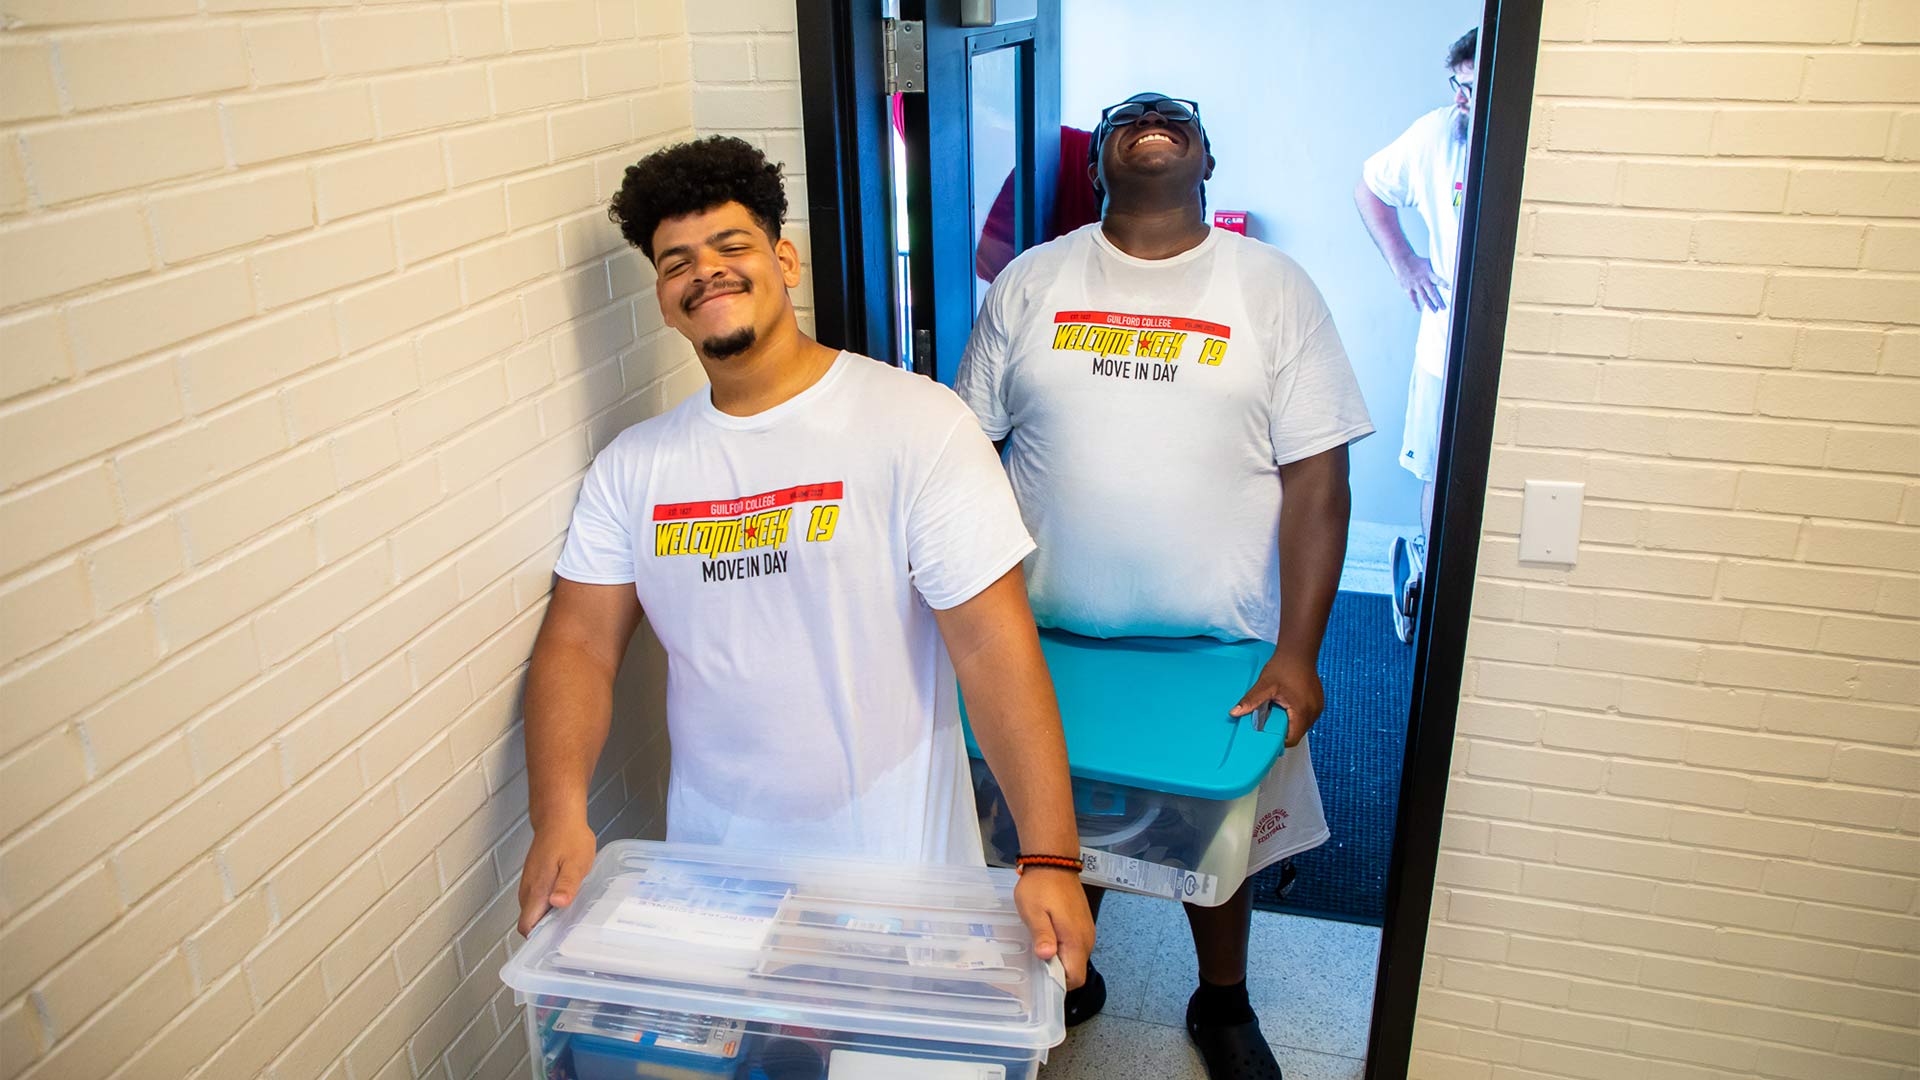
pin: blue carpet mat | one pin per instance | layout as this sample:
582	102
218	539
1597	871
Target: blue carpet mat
1358	745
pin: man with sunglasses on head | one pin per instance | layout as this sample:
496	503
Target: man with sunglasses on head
1425	170
1156	384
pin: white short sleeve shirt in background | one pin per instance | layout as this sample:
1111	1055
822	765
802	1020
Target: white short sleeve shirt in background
1425	169
790	563
1150	404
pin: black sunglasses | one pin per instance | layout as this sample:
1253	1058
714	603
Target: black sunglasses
1177	110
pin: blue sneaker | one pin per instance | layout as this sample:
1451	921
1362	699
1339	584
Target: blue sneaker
1406	587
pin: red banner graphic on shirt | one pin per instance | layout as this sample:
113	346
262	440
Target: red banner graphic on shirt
1144	322
748	504
1144	348
745	538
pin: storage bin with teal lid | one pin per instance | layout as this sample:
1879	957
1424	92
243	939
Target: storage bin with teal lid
1165	783
687	962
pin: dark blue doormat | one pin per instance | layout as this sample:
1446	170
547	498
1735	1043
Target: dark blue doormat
1357	750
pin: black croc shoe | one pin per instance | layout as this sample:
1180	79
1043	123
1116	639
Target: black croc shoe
1233	1051
1085	1003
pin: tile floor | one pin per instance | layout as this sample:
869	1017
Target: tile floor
1312	985
1366	568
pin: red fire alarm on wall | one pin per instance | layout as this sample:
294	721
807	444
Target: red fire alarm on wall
1231	220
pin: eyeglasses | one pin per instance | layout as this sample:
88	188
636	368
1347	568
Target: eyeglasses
1177	110
1460	86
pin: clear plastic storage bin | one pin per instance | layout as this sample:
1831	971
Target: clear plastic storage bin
684	962
1165	783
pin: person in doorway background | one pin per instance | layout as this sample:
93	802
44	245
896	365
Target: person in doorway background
1425	169
821	542
1074	205
1157	384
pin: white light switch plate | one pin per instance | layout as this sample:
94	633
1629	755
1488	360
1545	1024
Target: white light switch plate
1550	522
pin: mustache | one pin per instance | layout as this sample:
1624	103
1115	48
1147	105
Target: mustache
702	290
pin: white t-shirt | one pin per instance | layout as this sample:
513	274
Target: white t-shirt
1151	404
1426	169
790	562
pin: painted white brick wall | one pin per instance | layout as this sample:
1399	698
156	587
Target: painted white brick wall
745	59
311	317
1683	830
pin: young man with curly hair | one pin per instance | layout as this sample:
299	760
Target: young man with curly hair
822	543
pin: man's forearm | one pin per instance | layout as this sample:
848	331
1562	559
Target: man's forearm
569	706
1313	546
1383	225
1016	719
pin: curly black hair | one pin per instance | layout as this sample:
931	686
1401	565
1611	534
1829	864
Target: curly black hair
692	177
1464	49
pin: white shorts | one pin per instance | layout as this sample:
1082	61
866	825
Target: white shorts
1289	818
1420	444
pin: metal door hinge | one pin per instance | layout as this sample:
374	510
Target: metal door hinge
906	56
923	352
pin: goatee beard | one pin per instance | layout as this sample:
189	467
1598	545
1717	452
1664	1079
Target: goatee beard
1461	122
728	346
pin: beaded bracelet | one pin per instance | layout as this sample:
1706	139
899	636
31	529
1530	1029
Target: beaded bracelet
1062	862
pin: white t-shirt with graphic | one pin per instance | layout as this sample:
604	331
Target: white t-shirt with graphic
1151	404
1425	169
790	562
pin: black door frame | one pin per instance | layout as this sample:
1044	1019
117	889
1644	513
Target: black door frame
843	97
941	267
844	112
1489	225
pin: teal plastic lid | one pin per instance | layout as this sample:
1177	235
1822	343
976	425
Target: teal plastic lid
1152	712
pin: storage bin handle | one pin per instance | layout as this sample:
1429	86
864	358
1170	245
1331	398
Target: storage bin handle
1259	718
